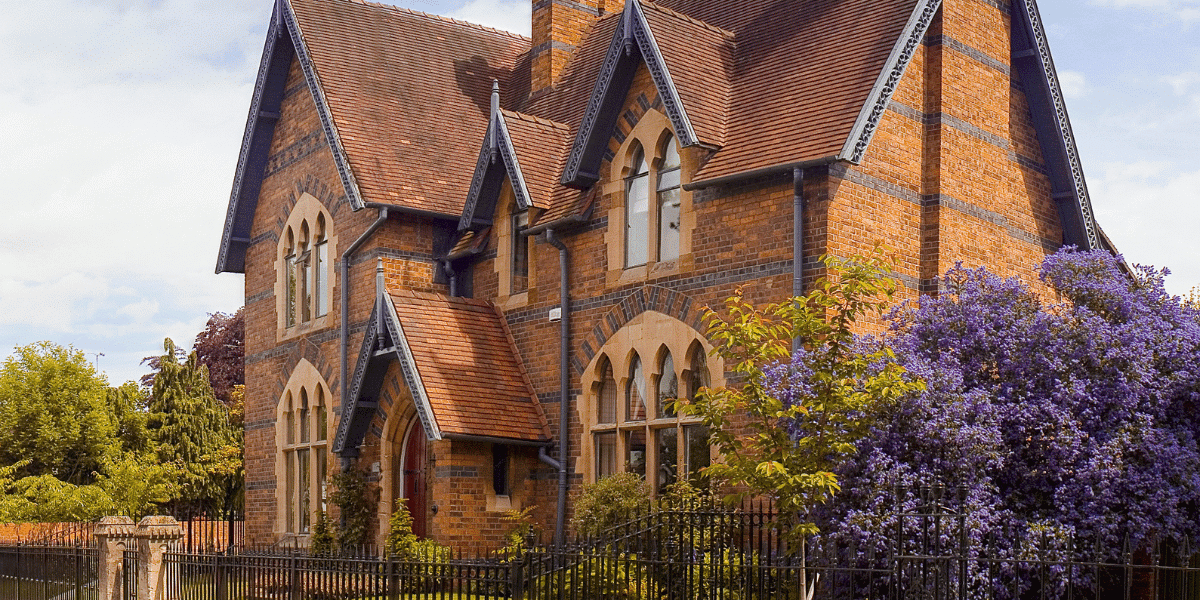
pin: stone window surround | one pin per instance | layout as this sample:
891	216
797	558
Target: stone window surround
650	133
647	334
502	265
401	422
305	376
306	210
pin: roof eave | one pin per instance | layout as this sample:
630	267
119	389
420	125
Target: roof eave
889	79
612	83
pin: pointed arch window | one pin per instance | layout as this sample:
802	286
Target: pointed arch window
304	457
646	435
304	269
637	211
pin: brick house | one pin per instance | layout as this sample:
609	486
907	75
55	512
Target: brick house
475	263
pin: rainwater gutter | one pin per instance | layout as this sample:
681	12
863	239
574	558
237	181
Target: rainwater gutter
797	238
764	171
564	382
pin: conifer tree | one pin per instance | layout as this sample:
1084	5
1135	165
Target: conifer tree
191	430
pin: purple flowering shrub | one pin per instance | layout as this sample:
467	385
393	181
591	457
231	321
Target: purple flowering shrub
1077	418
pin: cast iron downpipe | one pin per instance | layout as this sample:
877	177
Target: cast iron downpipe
452	276
343	281
564	382
797	238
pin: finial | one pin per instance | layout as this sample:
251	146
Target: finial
493	125
495	98
379	276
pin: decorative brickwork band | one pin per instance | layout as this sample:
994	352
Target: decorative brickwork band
649	298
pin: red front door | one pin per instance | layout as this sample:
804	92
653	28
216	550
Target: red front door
413	465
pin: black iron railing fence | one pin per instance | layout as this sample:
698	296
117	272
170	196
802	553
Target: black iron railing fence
923	551
43	572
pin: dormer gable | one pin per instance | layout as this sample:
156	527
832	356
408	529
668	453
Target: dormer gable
634	43
510	139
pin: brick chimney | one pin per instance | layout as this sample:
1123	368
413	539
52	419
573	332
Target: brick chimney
558	27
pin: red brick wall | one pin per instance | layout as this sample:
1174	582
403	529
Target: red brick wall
953	173
300	162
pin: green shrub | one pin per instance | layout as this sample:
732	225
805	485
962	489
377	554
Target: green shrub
524	528
323	542
350	496
604	575
616	499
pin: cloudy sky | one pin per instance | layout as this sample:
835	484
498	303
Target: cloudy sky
120	123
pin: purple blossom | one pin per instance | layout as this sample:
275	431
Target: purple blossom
1080	417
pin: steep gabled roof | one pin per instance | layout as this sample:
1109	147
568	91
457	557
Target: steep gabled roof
397	92
813	79
528	151
458	362
633	43
1032	61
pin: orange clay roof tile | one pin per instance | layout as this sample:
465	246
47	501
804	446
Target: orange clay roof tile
475	383
406	90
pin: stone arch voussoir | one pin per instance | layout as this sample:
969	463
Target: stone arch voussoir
670	302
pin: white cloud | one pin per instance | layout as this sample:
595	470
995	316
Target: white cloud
1074	83
123	123
1151	213
1185	10
509	15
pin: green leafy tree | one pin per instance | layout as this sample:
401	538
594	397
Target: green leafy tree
612	501
784	435
55	414
191	430
129	404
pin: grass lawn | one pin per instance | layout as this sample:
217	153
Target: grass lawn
8	588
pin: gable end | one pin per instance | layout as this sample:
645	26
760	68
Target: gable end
604	105
889	79
487	181
265	106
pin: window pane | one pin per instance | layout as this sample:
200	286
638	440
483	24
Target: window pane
322	423
500	469
290	461
304	283
304	416
668	388
671	154
637	221
520	252
697	454
321	279
635	393
606	454
667	446
303	484
321	469
668	223
635	448
698	374
607	408
291	428
290	302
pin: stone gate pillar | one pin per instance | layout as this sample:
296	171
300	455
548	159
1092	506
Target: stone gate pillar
113	536
154	538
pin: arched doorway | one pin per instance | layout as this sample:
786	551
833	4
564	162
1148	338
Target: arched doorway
410	478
